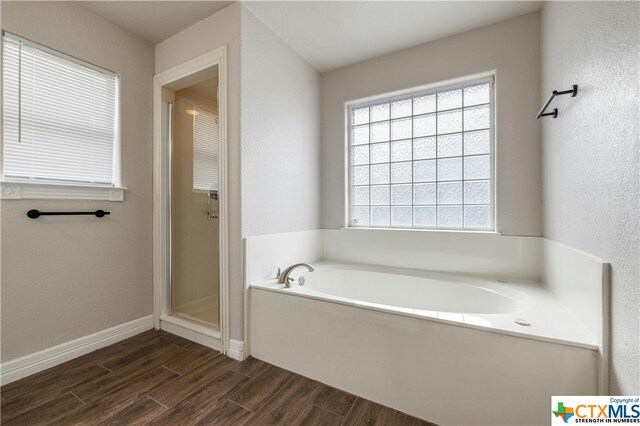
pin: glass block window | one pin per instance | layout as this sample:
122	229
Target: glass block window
423	160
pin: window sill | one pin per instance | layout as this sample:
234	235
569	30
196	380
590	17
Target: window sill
427	230
48	191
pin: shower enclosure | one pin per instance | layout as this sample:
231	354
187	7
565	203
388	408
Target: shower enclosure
194	203
190	202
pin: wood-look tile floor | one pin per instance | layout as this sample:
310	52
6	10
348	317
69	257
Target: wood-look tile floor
156	378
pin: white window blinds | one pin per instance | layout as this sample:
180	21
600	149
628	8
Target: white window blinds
205	150
60	119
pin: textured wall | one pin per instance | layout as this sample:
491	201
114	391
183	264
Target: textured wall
220	29
591	163
511	48
64	278
280	135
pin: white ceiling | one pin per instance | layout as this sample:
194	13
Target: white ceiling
328	34
154	20
332	34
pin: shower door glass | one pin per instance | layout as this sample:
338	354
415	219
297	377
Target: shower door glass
194	204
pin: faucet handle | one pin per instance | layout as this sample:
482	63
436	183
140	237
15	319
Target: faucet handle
278	273
288	282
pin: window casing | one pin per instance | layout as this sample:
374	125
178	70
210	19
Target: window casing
60	119
423	159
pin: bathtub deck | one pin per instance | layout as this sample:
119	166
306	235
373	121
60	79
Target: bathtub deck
158	378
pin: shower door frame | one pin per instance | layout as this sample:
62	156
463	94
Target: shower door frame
162	318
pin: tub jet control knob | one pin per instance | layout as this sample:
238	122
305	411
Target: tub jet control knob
301	281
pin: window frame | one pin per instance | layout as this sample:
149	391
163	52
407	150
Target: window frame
489	77
33	189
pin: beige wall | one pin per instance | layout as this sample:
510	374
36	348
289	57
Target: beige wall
220	29
512	48
64	278
591	155
194	238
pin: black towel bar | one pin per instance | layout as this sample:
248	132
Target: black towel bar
34	214
573	92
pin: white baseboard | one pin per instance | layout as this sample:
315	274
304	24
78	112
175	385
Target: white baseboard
27	365
236	350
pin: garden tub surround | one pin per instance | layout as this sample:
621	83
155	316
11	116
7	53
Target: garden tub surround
425	321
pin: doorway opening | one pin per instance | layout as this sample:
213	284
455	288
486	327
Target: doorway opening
190	199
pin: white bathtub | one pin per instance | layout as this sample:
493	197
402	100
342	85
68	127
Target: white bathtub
449	298
425	342
412	290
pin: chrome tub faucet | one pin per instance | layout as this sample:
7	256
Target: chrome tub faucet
284	278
